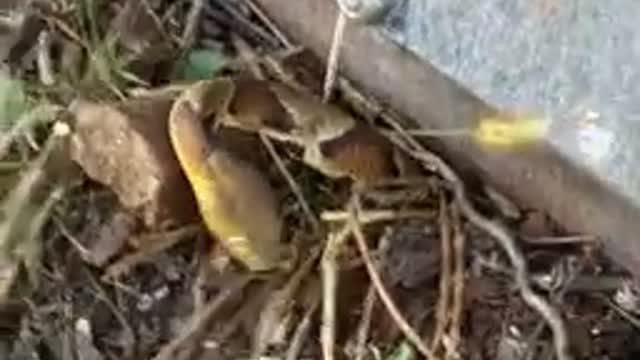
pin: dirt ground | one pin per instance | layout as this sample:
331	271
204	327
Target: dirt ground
108	276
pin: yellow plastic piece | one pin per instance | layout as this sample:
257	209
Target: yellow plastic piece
506	131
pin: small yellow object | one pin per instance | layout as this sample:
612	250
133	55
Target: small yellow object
235	200
505	131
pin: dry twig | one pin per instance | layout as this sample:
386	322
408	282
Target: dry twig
197	289
559	240
367	308
45	65
130	335
160	242
270	25
156	19
200	320
66	233
247	25
295	188
192	21
329	289
384	295
445	275
278	303
334	56
302	332
459	240
365	323
232	325
371	216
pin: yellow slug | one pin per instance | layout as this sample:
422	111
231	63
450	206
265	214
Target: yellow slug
235	201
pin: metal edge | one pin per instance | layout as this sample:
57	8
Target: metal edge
538	178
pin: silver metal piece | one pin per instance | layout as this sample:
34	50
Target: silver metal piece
368	11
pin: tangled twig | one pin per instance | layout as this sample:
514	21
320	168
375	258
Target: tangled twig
370	216
334	56
329	289
365	323
499	232
279	302
384	295
293	185
367	309
199	320
192	21
445	275
270	25
302	332
459	240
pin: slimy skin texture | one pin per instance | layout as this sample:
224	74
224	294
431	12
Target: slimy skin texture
235	200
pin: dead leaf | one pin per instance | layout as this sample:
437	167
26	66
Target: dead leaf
125	146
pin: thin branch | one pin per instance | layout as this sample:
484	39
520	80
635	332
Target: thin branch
371	216
248	55
459	239
248	25
376	279
130	335
45	65
156	19
365	323
295	188
445	275
329	289
278	303
66	233
270	24
559	240
42	113
334	56
191	28
201	319
161	242
369	304
302	332
231	325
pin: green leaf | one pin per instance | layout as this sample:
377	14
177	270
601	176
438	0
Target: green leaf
403	352
201	64
13	101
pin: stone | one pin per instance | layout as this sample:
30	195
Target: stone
125	146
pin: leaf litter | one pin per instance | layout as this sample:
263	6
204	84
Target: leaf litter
402	282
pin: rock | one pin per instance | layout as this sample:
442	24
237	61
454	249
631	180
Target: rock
125	146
